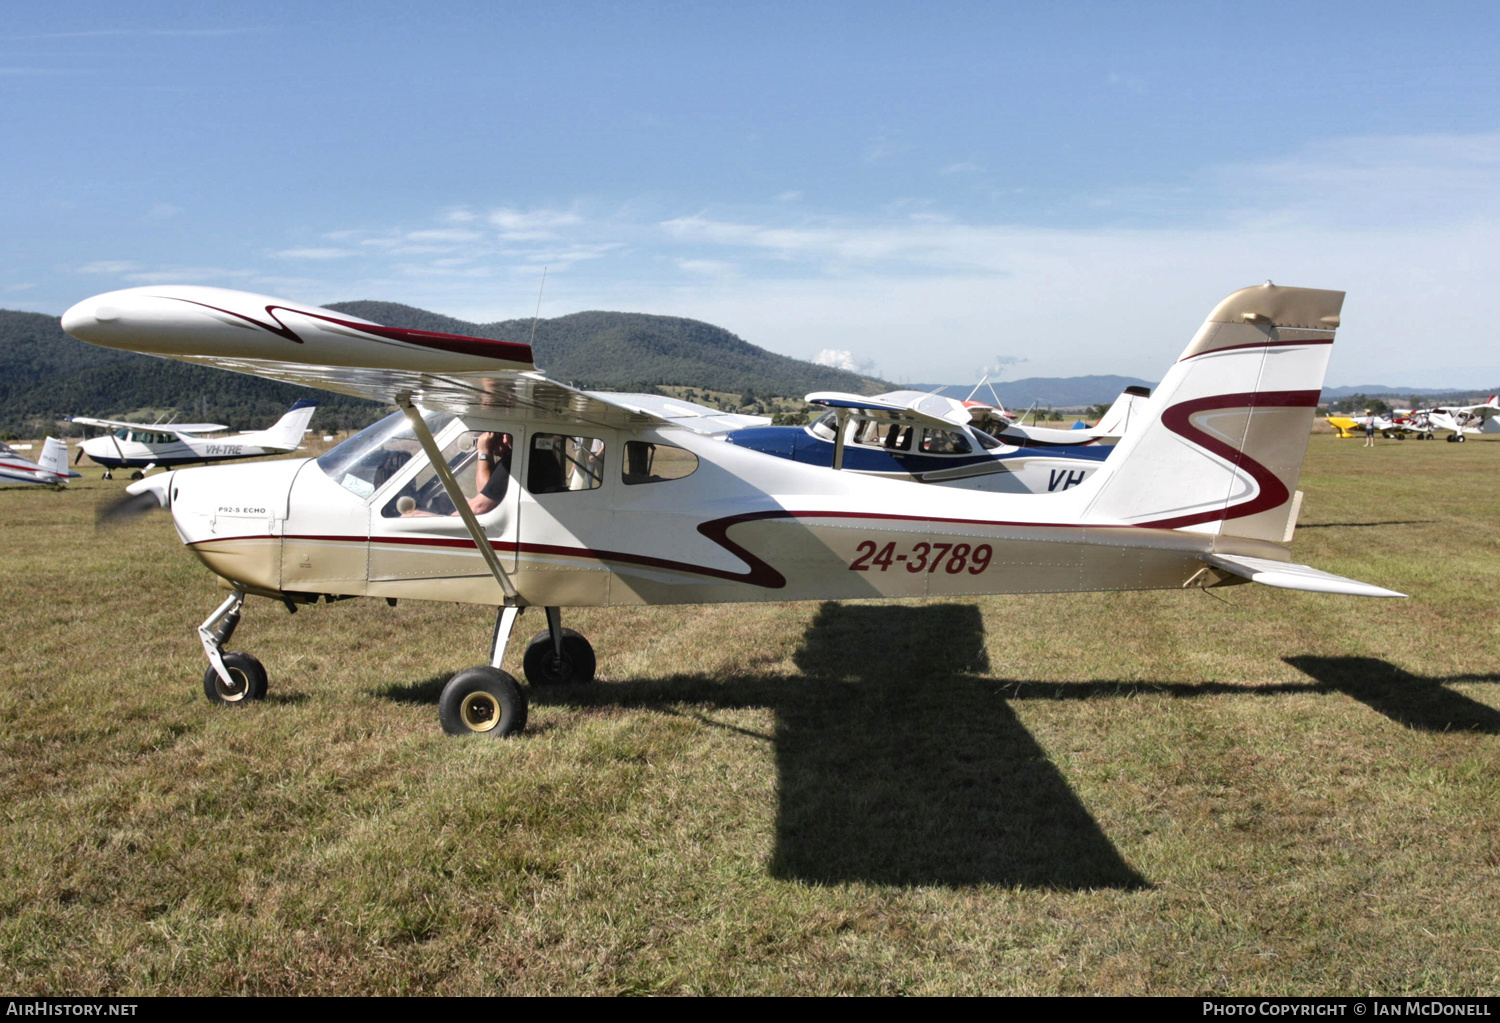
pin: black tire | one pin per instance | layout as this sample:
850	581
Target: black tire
542	667
1459	438
482	701
138	475
248	674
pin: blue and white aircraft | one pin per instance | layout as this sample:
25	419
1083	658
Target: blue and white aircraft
929	438
51	469
143	447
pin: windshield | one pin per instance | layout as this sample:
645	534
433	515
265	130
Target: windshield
365	461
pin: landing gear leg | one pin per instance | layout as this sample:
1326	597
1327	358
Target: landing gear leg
486	700
233	677
558	656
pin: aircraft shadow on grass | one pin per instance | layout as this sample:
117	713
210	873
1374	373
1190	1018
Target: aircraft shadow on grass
898	761
901	762
1421	703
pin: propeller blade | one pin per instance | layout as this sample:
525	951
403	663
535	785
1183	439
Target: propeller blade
126	509
78	457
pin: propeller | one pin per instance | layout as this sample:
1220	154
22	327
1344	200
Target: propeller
142	497
78	457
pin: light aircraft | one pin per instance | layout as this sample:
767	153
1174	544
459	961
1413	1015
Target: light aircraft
930	438
51	468
143	447
1460	419
598	503
927	438
1397	425
1108	431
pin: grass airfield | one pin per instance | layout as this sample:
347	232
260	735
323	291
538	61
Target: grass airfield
1244	791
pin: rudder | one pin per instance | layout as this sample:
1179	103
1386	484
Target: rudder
1228	427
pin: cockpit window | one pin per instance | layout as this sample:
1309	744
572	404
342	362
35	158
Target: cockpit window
480	465
944	442
824	427
986	441
882	433
364	462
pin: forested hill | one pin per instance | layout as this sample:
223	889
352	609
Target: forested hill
632	351
46	375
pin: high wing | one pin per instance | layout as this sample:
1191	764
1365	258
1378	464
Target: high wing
315	347
695	417
178	428
899	406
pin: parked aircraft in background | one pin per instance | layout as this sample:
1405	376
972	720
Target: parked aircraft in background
50	468
927	438
602	504
1460	419
1398	425
143	447
1107	432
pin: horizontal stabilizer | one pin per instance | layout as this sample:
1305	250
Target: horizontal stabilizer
1287	576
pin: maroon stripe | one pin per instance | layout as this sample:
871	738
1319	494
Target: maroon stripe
486	348
1273	492
1259	344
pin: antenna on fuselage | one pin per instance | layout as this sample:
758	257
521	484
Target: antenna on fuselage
538	306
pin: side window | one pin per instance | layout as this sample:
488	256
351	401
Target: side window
879	433
480	464
558	463
655	463
943	442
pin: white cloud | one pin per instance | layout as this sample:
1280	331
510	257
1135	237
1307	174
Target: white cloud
531	223
962	167
707	267
842	358
109	266
324	253
443	235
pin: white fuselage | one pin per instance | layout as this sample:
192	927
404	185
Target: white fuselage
744	526
141	447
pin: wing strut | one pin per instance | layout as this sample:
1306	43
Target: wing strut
841	417
434	456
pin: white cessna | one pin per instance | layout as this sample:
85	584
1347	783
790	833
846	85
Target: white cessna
494	485
143	447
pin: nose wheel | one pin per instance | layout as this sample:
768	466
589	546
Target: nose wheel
232	678
247	680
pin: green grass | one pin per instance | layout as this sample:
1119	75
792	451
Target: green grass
1242	791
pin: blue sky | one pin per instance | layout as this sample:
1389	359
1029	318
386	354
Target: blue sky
918	189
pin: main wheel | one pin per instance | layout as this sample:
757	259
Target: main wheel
138	475
247	678
1459	438
543	668
483	701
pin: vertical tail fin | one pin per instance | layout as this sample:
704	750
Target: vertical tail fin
1222	446
54	457
1126	410
288	430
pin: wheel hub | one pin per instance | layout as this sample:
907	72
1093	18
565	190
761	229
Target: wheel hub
480	712
234	690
